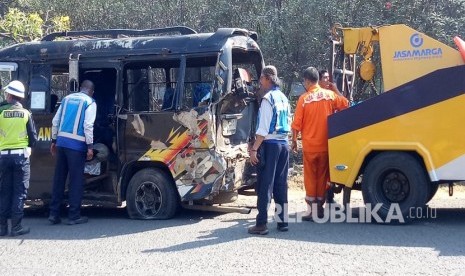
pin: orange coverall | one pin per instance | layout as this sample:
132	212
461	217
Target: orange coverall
311	119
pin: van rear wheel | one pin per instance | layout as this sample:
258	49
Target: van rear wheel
151	194
397	181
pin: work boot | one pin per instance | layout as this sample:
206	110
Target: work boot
54	219
17	229
311	205
3	227
258	230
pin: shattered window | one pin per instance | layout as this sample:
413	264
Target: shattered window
157	88
149	90
251	61
198	83
59	85
138	89
59	89
250	68
150	86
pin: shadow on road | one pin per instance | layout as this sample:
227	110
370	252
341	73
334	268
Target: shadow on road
443	233
103	223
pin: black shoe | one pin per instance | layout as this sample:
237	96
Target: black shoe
54	220
17	231
78	221
283	228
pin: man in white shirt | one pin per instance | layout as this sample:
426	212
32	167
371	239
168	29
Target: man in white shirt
271	144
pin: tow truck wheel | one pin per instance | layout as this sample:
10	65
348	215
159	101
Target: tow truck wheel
151	195
433	191
395	178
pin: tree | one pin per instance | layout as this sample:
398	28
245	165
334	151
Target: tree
293	34
17	26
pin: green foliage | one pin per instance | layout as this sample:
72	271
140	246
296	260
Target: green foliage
293	34
19	26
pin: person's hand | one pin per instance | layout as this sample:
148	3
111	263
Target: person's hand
294	146
253	157
332	86
90	154
53	149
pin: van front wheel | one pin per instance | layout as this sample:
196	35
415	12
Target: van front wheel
151	194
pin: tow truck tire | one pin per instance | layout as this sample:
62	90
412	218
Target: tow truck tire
433	191
151	194
395	177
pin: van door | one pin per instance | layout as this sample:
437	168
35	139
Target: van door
39	101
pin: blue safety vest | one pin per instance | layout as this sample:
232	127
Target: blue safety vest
281	110
71	127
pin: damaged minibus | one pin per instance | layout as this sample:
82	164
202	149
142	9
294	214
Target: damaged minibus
175	113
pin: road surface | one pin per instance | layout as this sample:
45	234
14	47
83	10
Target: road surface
215	243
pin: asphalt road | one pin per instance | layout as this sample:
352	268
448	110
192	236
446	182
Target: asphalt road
214	243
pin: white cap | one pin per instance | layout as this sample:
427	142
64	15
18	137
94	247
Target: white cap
15	88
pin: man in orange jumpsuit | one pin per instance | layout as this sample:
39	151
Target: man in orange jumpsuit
310	119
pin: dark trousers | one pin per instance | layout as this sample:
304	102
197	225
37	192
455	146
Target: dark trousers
14	183
272	180
330	194
72	162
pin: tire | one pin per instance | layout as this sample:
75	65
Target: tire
151	194
434	189
395	177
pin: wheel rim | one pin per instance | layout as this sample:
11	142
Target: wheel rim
148	199
395	186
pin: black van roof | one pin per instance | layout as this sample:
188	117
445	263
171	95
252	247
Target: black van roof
108	43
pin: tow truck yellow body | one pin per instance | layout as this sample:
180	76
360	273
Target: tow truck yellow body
399	144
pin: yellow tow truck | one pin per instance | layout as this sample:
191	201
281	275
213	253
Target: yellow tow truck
404	134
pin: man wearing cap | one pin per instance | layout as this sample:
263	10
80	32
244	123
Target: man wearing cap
17	135
271	144
72	144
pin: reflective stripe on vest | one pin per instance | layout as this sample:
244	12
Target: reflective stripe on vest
72	117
